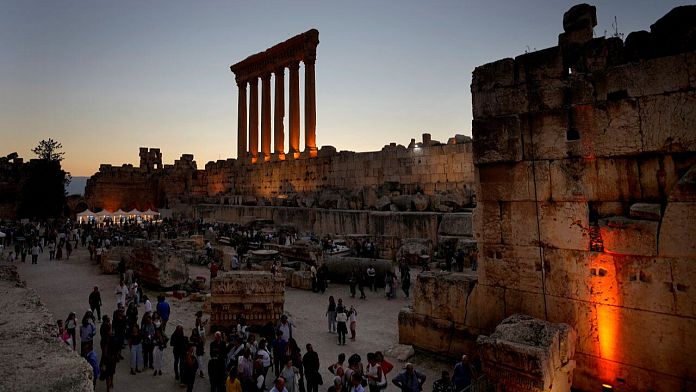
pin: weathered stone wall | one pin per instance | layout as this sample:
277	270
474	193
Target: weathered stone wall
586	212
434	177
401	225
32	358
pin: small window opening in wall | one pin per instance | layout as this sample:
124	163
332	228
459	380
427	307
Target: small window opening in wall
572	134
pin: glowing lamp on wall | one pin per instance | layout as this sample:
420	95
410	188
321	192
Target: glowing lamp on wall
607	388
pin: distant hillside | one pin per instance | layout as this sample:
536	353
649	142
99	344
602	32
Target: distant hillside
77	186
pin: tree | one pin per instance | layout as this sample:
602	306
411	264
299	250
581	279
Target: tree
49	150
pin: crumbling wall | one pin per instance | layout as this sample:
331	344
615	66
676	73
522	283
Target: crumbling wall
586	212
32	358
424	177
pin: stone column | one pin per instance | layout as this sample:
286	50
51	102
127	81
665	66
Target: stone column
294	109
278	131
310	109
266	117
253	119
241	121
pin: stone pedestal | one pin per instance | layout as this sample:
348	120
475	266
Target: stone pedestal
256	296
530	355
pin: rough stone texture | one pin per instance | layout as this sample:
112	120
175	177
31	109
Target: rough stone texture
158	264
528	354
586	210
32	357
346	180
256	296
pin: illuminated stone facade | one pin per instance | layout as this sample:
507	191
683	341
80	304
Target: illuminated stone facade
585	160
256	296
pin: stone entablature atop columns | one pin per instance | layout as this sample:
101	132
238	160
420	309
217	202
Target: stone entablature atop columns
263	65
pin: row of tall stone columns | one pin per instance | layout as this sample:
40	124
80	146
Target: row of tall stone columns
279	114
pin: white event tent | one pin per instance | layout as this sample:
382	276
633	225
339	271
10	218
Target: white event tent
85	216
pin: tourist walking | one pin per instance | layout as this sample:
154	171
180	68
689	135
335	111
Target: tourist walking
331	314
87	332
463	373
371	277
110	355
198	343
387	284
147	329
35	253
406	283
71	328
291	376
444	384
216	364
121	292
95	302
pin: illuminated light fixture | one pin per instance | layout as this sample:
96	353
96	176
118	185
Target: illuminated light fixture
607	388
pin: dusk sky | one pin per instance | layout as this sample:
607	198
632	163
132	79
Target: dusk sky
106	77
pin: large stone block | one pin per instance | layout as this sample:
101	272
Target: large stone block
500	101
435	335
497	139
565	225
486	220
544	135
512	267
594	179
677	230
647	77
529	354
493	75
668	122
683	281
616	130
625	236
443	295
518	223
456	224
526	180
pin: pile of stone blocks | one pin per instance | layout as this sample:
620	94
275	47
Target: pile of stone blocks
257	297
158	264
528	354
585	159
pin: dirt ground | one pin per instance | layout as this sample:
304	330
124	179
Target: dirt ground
64	286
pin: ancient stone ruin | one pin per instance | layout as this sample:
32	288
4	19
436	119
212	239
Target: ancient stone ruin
30	347
255	296
586	205
527	354
273	61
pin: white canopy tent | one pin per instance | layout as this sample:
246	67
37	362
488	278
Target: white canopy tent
150	215
103	215
134	213
85	216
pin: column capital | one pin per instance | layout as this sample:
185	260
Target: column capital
279	70
294	65
241	83
254	81
266	76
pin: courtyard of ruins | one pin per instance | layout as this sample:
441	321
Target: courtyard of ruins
556	246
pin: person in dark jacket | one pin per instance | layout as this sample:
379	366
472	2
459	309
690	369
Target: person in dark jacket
95	302
179	343
310	362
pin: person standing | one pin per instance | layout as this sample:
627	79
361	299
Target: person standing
68	250
190	368
87	332
95	302
375	375
405	283
164	310
463	373
136	350
310	362
371	276
35	250
443	384
279	385
353	320
179	344
71	328
121	292
341	327
216	364
160	343
51	250
410	380
331	314
291	376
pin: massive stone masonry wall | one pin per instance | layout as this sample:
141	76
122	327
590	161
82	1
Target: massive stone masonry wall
344	180
31	356
585	160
